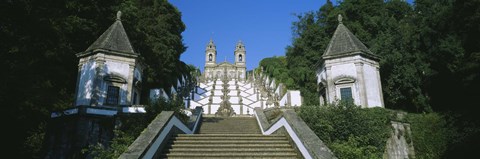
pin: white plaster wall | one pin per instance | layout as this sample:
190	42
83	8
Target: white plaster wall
255	104
249	91
247	110
233	100
215	108
344	69
205	109
372	86
231	87
208	88
216	100
232	82
218	87
283	101
197	97
200	90
242	75
236	109
247	101
232	93
202	85
273	84
194	104
207	94
296	98
203	101
244	94
85	84
118	68
217	93
252	97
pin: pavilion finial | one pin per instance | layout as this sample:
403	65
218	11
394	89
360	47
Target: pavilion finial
340	18
119	15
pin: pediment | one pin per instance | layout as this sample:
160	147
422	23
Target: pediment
344	80
115	78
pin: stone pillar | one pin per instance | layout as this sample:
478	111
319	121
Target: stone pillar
241	105
130	84
80	66
379	84
361	83
98	81
289	99
330	85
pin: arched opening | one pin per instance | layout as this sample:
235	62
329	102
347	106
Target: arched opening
209	57
240	57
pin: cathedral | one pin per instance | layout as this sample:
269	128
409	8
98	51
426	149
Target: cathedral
231	71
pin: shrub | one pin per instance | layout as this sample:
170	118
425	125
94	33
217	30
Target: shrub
350	131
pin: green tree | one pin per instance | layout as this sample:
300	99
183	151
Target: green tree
38	43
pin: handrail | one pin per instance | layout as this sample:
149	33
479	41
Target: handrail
157	134
309	145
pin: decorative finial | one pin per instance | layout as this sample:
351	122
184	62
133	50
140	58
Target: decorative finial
119	15
340	18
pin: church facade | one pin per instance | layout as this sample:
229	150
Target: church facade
236	70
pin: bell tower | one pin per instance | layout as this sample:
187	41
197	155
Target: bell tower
210	53
240	60
210	60
240	54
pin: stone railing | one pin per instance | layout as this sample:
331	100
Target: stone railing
158	133
99	110
305	140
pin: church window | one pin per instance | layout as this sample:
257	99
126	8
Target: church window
346	94
239	57
112	95
209	57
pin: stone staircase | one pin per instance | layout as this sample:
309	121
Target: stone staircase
232	125
234	137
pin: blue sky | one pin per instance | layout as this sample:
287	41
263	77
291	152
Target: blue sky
264	26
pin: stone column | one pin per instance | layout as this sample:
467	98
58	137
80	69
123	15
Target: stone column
80	66
330	85
130	84
377	69
289	99
361	84
98	81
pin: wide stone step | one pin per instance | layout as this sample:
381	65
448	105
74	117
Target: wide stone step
233	154
232	135
230	138
230	142
223	150
211	157
223	132
231	145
